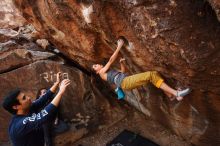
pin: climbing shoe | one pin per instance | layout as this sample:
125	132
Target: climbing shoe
182	93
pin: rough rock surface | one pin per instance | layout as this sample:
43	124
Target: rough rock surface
10	17
16	50
180	39
216	6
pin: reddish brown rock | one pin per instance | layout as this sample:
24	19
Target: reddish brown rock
17	50
10	17
20	57
178	38
69	137
167	39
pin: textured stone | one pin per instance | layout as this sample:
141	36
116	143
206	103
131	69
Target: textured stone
10	17
20	57
216	6
180	39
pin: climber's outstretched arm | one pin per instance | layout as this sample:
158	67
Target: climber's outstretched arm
122	64
113	57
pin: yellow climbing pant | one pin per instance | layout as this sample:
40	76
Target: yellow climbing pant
134	81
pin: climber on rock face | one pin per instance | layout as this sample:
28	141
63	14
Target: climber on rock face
25	128
124	82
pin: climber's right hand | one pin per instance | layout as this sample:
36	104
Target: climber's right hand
120	42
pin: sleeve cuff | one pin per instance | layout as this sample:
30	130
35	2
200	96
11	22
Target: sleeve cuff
50	108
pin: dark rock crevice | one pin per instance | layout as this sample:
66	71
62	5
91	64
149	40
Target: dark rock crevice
68	61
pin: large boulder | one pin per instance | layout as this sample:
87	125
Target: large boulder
178	38
172	37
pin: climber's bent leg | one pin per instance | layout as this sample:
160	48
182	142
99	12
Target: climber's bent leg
177	94
158	82
171	97
134	81
168	89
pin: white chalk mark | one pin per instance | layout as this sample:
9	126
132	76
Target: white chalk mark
45	76
65	76
86	11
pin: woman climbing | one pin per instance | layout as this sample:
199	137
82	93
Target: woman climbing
130	82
